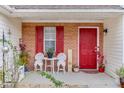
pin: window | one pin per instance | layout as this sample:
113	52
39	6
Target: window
49	38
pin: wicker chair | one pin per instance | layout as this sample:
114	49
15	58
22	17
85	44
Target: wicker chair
38	61
61	57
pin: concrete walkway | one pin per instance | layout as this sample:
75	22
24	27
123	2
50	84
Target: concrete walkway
97	80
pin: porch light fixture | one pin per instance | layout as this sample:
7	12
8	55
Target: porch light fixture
5	49
105	30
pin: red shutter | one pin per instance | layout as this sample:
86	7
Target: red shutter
39	39
59	39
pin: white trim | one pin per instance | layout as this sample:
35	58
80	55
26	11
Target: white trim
14	10
50	40
44	40
79	40
65	21
66	10
123	40
122	6
5	11
8	8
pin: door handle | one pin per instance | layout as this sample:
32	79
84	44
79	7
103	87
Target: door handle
94	51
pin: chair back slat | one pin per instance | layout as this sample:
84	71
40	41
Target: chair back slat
61	56
39	56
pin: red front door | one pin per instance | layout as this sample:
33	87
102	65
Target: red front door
87	44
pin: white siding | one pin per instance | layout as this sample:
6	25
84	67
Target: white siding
0	48
14	25
113	44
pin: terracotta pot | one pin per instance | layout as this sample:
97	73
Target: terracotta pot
122	82
101	70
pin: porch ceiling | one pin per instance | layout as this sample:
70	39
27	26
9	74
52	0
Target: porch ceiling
71	16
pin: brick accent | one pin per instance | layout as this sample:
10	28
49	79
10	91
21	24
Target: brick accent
70	37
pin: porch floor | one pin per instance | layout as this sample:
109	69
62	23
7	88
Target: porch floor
84	80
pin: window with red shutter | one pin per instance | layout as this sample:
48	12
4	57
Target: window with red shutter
50	37
59	39
39	38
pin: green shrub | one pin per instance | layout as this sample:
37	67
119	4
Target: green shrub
23	58
56	83
120	72
1	75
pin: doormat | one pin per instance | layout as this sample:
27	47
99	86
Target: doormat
90	71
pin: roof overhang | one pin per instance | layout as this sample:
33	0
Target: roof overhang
60	14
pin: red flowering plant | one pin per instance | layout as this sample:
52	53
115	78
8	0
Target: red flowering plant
23	55
22	45
100	57
100	60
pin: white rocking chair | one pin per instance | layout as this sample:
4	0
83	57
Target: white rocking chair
61	62
38	62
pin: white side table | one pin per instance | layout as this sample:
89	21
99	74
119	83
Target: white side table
52	62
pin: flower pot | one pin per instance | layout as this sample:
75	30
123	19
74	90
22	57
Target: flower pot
101	70
76	69
50	55
21	72
122	82
26	69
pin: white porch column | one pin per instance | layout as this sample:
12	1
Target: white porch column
123	37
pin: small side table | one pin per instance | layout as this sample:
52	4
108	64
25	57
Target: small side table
52	63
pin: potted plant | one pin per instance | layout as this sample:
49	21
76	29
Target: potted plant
101	67
101	62
120	73
50	52
23	59
23	55
75	68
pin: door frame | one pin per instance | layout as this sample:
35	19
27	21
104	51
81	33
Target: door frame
79	41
